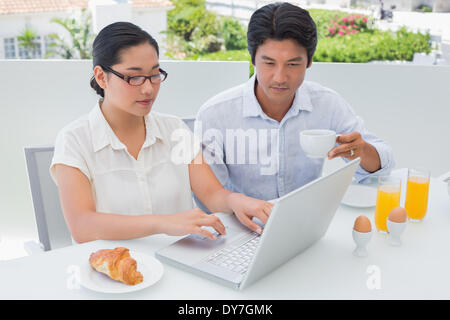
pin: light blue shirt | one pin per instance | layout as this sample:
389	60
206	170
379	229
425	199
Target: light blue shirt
253	154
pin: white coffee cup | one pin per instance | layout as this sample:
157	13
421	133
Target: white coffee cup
316	143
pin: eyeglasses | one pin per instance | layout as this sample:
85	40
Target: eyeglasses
139	80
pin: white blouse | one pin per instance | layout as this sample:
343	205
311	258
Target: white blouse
157	182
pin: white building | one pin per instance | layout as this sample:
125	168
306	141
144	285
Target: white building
243	9
240	9
17	15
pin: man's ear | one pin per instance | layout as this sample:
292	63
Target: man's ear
100	77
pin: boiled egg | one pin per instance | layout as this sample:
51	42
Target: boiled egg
362	224
398	215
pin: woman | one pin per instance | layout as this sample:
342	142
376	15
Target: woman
114	166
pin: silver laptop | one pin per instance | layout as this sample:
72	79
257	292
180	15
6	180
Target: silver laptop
241	257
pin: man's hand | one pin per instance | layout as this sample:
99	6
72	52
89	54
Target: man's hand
245	208
352	146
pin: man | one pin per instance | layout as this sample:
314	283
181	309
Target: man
274	106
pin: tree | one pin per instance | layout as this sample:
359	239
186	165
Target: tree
81	37
27	40
190	15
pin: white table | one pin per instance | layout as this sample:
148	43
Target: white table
420	269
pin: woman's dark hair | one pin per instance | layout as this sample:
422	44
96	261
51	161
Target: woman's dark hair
111	41
280	21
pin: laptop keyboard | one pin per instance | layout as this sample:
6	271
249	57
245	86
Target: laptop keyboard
236	259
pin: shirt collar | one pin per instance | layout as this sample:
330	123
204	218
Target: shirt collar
252	108
152	129
103	135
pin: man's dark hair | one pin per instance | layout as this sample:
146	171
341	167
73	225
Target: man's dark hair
280	21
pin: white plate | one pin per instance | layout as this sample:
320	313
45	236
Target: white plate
360	196
365	195
151	269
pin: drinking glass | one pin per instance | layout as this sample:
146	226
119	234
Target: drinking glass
388	198
417	187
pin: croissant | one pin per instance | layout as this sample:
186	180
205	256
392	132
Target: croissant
117	264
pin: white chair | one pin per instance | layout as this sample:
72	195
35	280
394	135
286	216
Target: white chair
190	121
52	229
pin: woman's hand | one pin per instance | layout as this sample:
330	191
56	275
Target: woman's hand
189	222
245	208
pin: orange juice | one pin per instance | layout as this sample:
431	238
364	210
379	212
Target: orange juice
417	197
388	197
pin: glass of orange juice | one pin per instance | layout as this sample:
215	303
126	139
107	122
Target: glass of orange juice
417	187
388	197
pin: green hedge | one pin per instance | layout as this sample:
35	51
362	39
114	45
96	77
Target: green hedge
230	55
189	15
233	34
324	19
370	46
357	48
193	30
343	37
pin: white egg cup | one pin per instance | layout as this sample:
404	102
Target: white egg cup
361	239
395	230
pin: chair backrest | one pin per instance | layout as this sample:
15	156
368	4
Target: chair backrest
190	121
52	229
